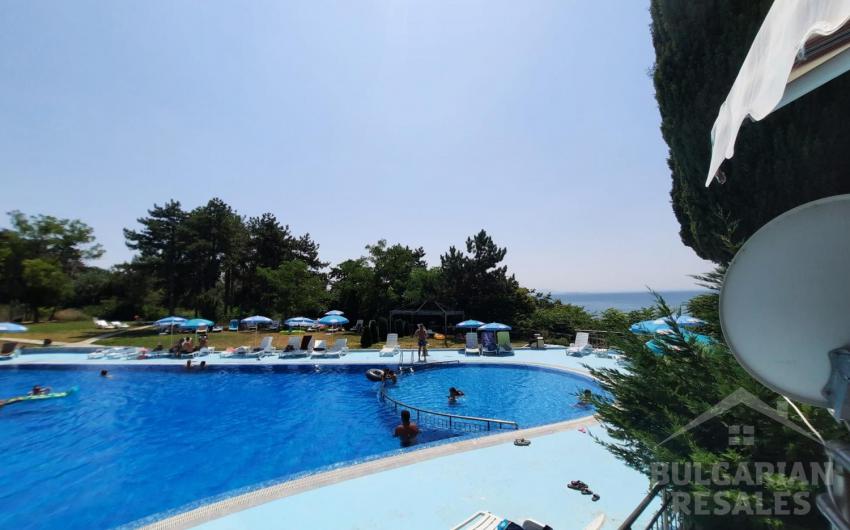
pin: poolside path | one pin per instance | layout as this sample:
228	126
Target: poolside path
439	493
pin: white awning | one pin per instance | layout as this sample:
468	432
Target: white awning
766	82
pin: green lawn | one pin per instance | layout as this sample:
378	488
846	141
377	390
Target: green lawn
148	337
60	331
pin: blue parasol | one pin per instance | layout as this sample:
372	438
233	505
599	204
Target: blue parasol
494	326
333	320
11	327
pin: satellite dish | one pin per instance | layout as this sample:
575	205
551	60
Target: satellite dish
785	303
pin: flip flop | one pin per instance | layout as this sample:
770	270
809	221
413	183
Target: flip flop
595	497
577	485
586	491
522	442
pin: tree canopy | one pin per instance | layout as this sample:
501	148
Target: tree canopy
794	156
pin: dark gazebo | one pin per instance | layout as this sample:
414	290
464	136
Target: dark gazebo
429	308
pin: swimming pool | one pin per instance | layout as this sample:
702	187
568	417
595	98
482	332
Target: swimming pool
156	439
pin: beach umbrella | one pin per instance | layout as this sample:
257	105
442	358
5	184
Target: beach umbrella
11	327
688	321
257	319
168	321
195	323
334	312
649	327
333	320
469	324
300	322
494	326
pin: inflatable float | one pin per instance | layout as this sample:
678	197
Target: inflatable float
38	397
374	374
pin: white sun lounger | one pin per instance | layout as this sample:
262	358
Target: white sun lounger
581	346
102	324
487	521
265	348
119	324
339	348
472	347
296	350
391	347
292	348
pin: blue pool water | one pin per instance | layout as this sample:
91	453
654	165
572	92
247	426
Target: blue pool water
526	395
154	439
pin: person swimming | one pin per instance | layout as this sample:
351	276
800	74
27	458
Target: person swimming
388	375
454	393
39	390
104	373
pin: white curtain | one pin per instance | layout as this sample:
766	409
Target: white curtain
760	84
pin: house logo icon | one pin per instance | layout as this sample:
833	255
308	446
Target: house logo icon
743	434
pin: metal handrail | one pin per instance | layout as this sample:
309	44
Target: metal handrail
665	518
452	418
630	520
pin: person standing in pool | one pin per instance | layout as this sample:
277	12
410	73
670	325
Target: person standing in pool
408	430
421	335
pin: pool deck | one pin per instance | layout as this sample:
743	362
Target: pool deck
435	487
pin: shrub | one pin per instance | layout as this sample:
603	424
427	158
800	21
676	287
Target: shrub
366	336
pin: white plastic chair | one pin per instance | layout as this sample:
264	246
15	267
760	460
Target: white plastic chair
391	347
581	346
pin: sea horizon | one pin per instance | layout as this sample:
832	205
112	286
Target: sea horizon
598	301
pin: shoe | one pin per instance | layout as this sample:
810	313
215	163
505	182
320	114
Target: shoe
577	485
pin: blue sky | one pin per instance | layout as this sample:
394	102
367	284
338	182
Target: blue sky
419	122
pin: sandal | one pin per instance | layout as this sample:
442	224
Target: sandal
586	491
577	485
595	497
522	442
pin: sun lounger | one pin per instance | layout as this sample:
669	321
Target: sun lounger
488	343
503	343
233	326
487	521
581	346
119	324
302	347
358	327
292	349
102	324
472	346
265	348
391	347
339	348
8	350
